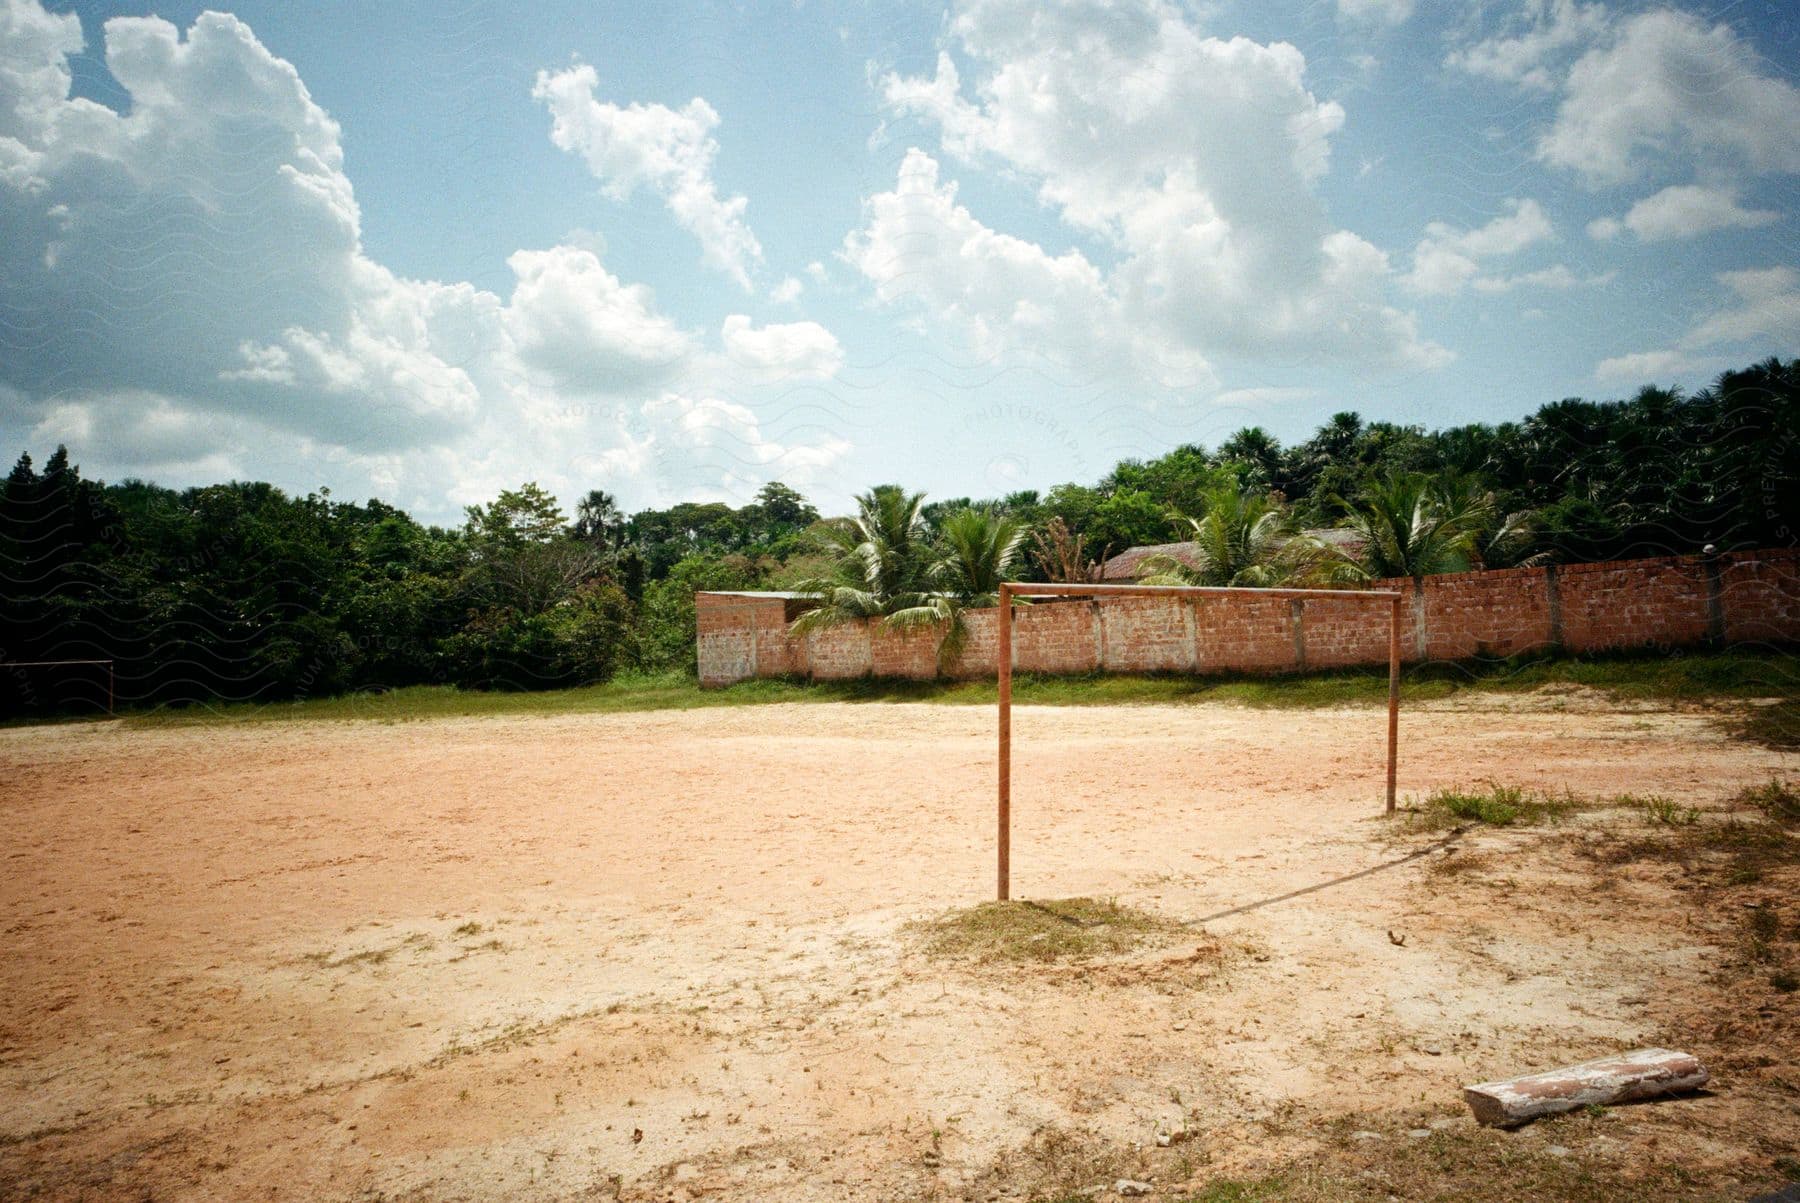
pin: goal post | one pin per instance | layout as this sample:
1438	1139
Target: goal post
16	668
1011	589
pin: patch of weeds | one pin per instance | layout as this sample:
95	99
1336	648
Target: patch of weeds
1734	850
1777	799
1049	930
1773	726
1238	1190
1494	805
1059	1164
368	956
1753	848
1664	812
471	928
1761	929
1787	983
1468	1164
1457	861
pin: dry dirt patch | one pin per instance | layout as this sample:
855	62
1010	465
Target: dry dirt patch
669	955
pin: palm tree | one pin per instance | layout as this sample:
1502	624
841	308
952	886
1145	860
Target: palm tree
1242	539
881	561
1501	539
1256	448
978	550
1413	526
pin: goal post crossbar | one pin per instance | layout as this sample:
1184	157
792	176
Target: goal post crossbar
111	672
1003	655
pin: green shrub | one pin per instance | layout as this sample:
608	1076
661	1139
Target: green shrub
578	642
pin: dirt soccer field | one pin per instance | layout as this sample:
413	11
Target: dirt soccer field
676	955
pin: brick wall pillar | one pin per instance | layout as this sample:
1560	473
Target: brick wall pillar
1715	599
1297	617
1420	642
1553	603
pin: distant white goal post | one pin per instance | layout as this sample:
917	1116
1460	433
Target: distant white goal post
1012	589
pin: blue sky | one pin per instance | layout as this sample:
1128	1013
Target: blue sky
674	251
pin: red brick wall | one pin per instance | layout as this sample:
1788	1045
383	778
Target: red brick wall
1337	634
1760	594
1633	603
910	654
732	636
1668	602
1146	634
1498	613
980	645
777	653
1244	634
840	653
1054	637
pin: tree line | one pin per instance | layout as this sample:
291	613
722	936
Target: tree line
240	591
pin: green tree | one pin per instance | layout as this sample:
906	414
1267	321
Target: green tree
1129	518
1178	480
1241	539
1073	503
1408	527
880	558
666	618
978	550
527	514
783	507
598	521
1259	454
577	642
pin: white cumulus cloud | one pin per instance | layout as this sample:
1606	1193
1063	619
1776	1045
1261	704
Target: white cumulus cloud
1670	84
919	247
1764	313
792	349
1642	367
589	332
1768	307
1190	160
189	297
667	151
1448	258
1683	211
1534	47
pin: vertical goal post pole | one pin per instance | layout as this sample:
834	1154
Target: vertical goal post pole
1004	678
111	673
1003	674
1393	731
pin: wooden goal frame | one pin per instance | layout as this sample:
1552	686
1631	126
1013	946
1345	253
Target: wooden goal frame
111	673
1012	589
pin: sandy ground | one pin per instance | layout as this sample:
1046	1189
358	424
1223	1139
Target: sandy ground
667	955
